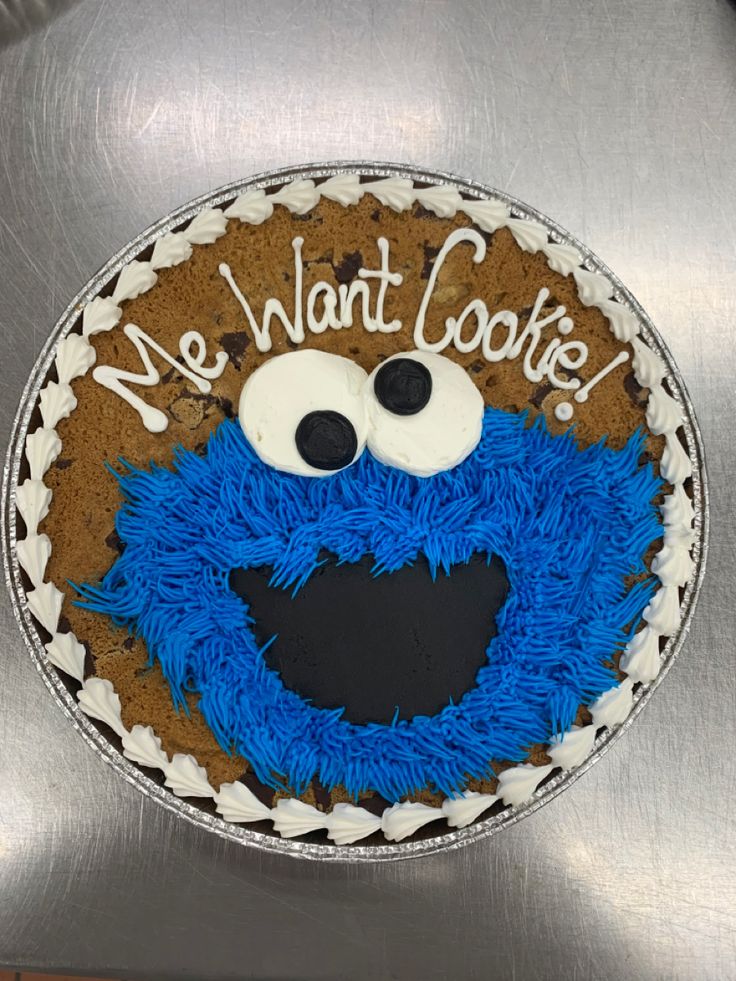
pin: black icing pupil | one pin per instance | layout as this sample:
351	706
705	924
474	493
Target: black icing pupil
403	386
326	440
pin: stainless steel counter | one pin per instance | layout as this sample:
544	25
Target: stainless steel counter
617	119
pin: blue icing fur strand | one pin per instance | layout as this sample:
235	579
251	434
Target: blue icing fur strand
570	524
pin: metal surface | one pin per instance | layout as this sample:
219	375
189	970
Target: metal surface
616	119
186	809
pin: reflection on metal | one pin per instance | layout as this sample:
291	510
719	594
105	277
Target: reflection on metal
19	18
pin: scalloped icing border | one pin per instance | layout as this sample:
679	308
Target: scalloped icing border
348	823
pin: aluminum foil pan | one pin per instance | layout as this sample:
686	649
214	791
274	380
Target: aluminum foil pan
64	698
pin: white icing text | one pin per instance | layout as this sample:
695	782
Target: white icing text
193	352
498	335
323	295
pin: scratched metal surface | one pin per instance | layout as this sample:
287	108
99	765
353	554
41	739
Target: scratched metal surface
618	120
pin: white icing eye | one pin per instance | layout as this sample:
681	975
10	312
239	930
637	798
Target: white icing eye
304	413
424	413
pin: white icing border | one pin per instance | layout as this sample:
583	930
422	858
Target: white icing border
347	823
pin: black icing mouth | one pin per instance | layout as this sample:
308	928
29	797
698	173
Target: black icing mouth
372	644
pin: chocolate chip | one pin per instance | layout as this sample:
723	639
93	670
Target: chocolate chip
321	794
540	394
347	269
234	345
634	390
430	254
113	541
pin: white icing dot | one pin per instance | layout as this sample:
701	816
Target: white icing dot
565	325
563	412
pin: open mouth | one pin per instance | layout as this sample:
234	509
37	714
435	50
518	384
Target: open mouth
384	647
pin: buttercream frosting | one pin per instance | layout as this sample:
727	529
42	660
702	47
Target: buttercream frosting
641	658
32	499
33	554
649	369
487	215
292	818
529	235
393	192
206	227
624	325
347	823
592	287
675	465
664	414
67	654
252	208
403	820
663	612
677	509
186	778
98	699
239	805
74	357
673	565
443	200
57	402
143	746
572	748
517	785
284	389
45	602
613	706
345	189
170	250
679	536
299	197
438	437
135	278
99	315
563	259
42	448
463	810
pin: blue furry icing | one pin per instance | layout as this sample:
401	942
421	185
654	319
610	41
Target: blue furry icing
570	524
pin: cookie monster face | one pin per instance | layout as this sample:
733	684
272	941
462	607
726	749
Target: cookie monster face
378	582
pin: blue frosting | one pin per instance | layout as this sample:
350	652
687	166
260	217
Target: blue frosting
571	524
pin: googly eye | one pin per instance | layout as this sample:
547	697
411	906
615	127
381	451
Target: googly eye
304	412
403	386
424	413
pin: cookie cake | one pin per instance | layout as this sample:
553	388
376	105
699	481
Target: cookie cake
355	507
